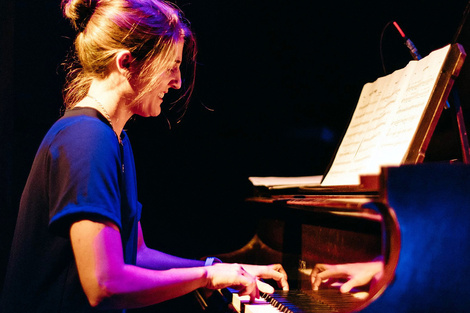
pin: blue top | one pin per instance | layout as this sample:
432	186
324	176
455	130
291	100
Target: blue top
80	171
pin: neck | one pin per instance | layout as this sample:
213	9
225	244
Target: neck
108	96
116	117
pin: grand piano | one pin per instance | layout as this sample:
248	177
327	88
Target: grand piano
414	216
419	222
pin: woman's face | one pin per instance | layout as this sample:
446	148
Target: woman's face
150	105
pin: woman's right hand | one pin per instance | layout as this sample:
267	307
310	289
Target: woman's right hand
223	275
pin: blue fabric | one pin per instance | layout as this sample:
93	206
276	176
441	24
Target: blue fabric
80	172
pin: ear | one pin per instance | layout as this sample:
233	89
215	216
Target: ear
123	61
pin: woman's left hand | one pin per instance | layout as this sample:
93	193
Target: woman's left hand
356	274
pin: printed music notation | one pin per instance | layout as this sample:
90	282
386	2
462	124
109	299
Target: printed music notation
385	121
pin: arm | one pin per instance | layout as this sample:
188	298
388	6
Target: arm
110	283
154	259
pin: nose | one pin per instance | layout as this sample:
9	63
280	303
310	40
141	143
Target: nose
175	82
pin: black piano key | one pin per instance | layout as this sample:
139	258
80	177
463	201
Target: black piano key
306	301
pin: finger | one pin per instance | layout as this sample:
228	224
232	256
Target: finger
347	286
251	288
282	283
316	283
279	268
320	278
263	287
254	294
353	282
275	272
315	271
280	276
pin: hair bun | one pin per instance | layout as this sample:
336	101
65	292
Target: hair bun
79	12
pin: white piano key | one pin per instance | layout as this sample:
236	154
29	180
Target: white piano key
242	305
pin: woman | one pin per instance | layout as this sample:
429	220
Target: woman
78	244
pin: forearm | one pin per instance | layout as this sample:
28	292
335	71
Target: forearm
109	282
137	287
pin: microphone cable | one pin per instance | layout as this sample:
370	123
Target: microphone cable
408	43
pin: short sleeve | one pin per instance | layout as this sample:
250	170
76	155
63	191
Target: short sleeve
84	174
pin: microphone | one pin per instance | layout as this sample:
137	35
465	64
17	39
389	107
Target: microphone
413	50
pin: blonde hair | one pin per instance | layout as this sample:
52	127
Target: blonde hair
149	29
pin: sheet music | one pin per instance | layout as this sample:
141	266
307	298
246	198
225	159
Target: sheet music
385	120
274	182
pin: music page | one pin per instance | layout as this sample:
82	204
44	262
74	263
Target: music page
274	182
386	118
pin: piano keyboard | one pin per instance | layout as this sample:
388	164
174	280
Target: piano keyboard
298	301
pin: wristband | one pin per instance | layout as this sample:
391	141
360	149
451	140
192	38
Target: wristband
211	260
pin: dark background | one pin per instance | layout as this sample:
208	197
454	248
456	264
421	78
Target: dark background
280	79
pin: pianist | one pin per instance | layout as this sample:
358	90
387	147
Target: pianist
78	244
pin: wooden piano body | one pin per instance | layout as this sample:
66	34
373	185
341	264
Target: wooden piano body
415	216
419	222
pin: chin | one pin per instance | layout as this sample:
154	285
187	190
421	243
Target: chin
155	114
156	111
153	110
150	114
